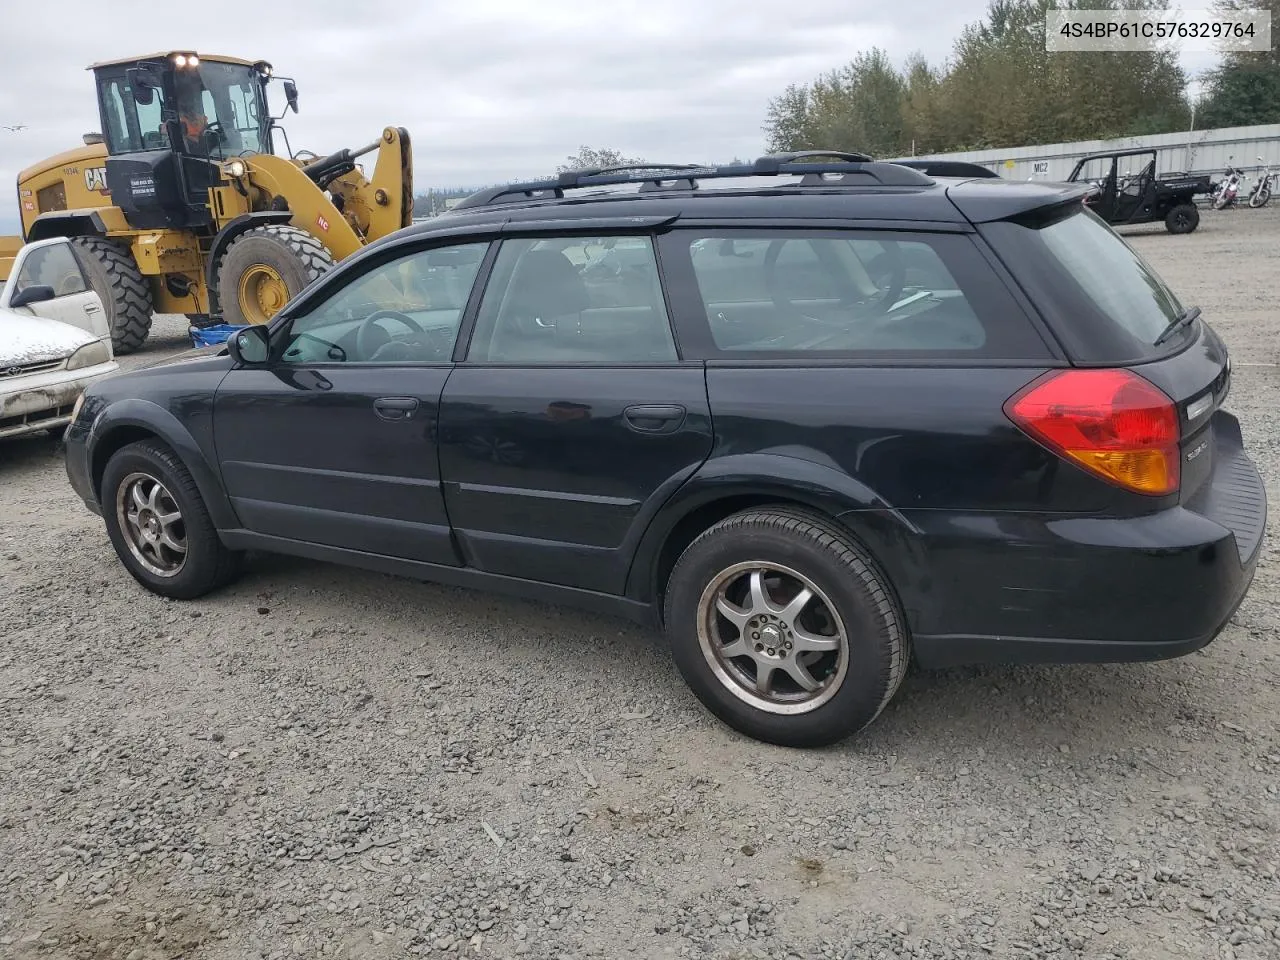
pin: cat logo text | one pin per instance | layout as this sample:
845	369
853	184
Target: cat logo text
95	179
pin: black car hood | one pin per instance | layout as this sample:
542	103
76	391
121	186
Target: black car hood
187	356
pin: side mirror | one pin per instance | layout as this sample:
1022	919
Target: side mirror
291	95
143	84
36	293
250	346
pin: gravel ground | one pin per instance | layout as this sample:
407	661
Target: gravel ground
321	762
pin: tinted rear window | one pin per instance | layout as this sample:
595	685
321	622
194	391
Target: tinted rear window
799	292
1103	300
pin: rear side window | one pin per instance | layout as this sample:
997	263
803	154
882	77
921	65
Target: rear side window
869	294
574	300
1104	301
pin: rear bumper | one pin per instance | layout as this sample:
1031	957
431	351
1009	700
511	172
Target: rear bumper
1022	589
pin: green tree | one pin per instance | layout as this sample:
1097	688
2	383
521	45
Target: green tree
1000	88
592	158
1004	88
786	126
1245	88
858	107
922	125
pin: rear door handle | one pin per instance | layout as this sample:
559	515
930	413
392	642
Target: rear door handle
654	417
395	408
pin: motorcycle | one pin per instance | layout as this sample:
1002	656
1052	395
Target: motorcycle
1228	189
1261	192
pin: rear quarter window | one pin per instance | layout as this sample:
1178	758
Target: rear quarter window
881	295
1103	301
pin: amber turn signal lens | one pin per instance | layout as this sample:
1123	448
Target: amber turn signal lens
1113	423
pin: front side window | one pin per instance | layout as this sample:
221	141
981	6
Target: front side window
132	127
574	299
54	266
407	310
854	293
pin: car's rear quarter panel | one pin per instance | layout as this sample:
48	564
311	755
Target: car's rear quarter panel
983	532
933	445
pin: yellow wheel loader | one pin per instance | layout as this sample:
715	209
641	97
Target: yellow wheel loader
181	205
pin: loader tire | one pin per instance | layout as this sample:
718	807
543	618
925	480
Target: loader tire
124	291
265	268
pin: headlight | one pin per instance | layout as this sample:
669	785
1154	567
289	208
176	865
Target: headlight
75	409
90	355
235	169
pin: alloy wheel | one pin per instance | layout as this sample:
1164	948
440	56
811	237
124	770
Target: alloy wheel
772	637
152	525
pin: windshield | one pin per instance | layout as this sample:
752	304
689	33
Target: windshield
222	109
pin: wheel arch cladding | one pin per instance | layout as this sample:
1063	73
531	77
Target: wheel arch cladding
68	224
141	420
783	483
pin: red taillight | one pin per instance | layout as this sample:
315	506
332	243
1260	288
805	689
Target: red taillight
1113	423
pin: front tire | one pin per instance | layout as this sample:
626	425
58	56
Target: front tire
265	268
124	291
1182	219
1259	198
783	628
159	525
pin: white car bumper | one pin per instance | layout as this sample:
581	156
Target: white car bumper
43	401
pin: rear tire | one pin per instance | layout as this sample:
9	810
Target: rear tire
1182	219
265	268
159	525
833	663
124	291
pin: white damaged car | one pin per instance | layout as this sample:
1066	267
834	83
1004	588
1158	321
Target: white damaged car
54	339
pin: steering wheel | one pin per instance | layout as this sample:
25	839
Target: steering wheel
213	135
365	344
880	305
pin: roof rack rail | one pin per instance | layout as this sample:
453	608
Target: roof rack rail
842	169
770	163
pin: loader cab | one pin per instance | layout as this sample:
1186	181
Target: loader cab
169	120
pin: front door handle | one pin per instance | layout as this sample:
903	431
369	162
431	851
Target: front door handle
654	417
395	408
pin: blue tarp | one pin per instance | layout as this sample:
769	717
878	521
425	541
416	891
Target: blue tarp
206	336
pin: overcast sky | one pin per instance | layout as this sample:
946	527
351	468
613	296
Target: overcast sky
489	90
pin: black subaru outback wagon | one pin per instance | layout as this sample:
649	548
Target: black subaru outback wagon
815	416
